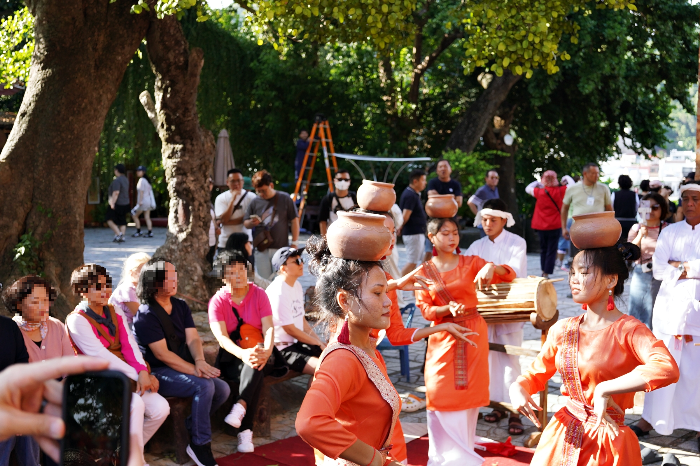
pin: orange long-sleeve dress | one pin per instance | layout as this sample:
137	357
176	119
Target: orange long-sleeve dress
347	402
442	393
625	346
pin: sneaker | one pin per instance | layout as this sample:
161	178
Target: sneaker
121	239
148	235
235	417
245	441
137	234
201	454
116	239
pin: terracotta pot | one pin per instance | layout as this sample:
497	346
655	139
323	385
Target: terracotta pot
441	206
376	196
598	230
359	236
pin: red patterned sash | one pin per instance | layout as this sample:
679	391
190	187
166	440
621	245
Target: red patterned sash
384	386
461	370
581	413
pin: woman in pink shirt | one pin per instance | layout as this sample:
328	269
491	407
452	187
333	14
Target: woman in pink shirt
45	337
96	329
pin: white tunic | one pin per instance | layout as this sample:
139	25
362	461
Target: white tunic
677	313
511	250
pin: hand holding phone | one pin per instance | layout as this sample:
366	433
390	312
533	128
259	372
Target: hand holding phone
23	390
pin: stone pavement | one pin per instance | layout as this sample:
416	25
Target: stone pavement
99	248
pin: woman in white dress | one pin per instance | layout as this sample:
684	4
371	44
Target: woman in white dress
145	203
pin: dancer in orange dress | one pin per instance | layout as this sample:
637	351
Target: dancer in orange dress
399	335
350	412
456	374
604	357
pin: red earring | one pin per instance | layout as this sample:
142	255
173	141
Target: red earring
459	251
434	251
584	307
611	301
344	336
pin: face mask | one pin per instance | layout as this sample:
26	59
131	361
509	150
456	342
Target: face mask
341	185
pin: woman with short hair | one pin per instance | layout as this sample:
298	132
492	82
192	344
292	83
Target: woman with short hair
625	203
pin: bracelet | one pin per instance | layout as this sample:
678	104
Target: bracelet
373	455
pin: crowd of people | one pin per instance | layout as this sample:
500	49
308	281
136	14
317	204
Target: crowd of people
350	412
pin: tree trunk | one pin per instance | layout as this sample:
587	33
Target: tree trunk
476	119
494	140
188	153
82	50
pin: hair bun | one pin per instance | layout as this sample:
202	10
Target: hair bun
629	251
317	248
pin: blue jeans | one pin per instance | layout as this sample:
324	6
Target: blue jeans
643	291
563	242
207	395
25	447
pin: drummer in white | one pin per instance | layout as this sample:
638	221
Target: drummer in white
501	247
676	321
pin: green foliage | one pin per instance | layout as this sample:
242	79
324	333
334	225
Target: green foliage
625	76
16	47
379	22
681	129
26	256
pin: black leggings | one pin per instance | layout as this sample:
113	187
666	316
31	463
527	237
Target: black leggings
250	384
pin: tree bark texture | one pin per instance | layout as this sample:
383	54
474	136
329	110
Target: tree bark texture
494	135
188	153
82	50
478	116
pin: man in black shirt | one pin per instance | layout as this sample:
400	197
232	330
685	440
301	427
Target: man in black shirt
444	184
342	199
414	221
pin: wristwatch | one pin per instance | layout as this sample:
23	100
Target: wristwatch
681	267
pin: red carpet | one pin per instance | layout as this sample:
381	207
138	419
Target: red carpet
295	452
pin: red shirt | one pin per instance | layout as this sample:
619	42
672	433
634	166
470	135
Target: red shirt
547	214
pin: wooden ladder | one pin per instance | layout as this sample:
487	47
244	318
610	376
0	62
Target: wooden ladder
320	137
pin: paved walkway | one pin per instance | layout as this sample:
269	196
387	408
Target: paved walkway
99	248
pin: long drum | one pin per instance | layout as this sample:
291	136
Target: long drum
515	301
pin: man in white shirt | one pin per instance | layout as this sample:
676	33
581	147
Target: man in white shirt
230	206
676	321
501	247
294	337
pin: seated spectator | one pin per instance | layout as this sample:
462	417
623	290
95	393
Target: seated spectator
97	330
240	242
13	351
241	320
124	296
294	337
168	338
643	286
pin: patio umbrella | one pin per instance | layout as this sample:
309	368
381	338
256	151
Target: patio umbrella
224	159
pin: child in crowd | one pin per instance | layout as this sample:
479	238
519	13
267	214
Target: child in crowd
124	297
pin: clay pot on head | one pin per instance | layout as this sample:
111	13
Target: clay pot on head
441	206
358	236
598	230
376	196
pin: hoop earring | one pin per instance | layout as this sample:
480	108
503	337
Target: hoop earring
611	301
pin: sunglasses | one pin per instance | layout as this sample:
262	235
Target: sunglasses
299	260
655	207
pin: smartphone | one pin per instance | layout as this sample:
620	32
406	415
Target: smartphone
96	409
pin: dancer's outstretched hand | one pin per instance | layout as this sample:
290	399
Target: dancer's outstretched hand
457	331
411	282
523	402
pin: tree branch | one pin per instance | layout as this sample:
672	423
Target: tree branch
420	68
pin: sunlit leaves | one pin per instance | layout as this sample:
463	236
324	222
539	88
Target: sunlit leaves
16	47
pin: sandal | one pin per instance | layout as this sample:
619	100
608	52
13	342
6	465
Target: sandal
650	456
411	403
670	459
638	431
494	416
515	427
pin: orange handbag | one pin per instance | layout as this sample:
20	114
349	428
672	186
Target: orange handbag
250	336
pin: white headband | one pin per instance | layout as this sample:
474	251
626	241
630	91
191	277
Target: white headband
690	187
495	213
